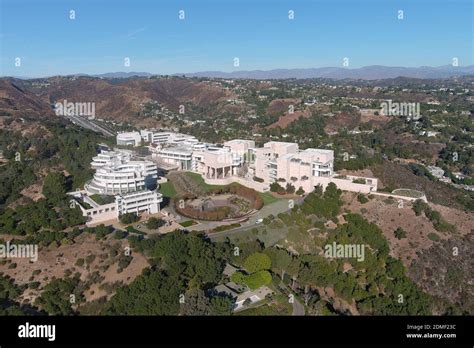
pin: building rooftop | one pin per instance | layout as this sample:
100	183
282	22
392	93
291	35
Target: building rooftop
279	143
185	150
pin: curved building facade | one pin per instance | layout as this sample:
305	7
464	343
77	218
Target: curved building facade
123	178
108	158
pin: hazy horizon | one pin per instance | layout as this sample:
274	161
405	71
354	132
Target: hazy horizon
142	36
192	73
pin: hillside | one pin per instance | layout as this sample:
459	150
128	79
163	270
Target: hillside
18	101
115	99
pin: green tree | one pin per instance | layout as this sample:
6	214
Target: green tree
153	223
258	279
419	206
400	233
56	297
221	305
151	293
128	218
54	187
9	292
276	187
257	262
280	260
198	303
238	277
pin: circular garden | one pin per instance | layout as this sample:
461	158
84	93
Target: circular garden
226	202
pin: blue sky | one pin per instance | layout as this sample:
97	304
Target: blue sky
258	32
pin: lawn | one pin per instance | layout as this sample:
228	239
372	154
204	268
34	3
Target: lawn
279	306
268	198
167	189
102	199
225	227
200	181
188	223
408	193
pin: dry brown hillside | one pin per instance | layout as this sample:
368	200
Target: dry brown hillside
117	99
122	99
442	266
393	176
18	102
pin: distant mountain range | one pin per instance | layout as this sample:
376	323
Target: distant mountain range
122	74
374	72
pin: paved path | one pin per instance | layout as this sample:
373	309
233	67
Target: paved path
280	206
275	208
298	308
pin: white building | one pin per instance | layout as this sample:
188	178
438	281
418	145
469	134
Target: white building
107	158
244	149
138	202
135	202
125	177
280	162
179	156
129	139
168	138
265	159
239	160
216	162
187	153
285	163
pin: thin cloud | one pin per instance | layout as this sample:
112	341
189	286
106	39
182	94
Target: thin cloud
132	35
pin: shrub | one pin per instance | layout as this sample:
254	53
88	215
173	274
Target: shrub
128	218
238	277
90	259
257	179
119	234
34	285
123	263
400	233
275	187
359	181
258	279
362	199
153	223
419	206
